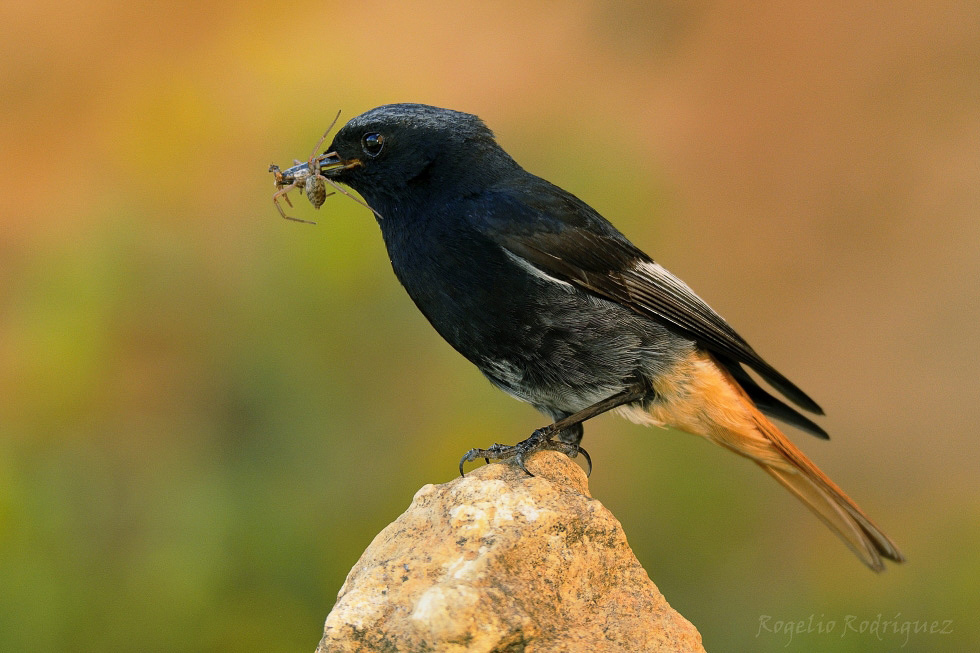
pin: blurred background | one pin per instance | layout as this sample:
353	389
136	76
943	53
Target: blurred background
207	412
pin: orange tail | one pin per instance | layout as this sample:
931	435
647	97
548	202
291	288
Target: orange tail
829	502
701	397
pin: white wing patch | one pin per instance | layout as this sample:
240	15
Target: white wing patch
537	272
657	271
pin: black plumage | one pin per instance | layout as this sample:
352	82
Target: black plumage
556	307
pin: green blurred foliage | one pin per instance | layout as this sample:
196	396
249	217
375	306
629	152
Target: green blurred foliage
206	412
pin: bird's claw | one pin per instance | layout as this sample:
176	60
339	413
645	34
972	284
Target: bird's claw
540	440
496	451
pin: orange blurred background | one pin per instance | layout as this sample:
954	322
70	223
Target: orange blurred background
207	412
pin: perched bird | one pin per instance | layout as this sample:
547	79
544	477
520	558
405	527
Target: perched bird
557	308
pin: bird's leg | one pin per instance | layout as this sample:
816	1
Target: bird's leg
572	435
543	438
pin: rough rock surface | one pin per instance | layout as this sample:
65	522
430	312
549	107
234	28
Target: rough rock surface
500	561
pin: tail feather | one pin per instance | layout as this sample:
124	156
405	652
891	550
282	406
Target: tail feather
830	503
702	397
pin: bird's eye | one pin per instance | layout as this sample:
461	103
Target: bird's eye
372	144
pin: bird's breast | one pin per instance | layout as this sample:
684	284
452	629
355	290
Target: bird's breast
467	287
534	335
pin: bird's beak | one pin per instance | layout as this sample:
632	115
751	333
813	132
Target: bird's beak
329	164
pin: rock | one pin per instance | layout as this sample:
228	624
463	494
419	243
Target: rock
500	561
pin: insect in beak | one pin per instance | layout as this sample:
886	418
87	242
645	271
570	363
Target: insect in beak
309	175
313	177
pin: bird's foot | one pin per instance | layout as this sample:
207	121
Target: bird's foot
541	440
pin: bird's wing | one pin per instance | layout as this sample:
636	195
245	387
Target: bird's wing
564	238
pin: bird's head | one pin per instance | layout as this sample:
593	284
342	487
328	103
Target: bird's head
401	153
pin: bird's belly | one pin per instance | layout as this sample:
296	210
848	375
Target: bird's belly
539	339
557	348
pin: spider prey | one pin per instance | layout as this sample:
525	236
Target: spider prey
309	176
